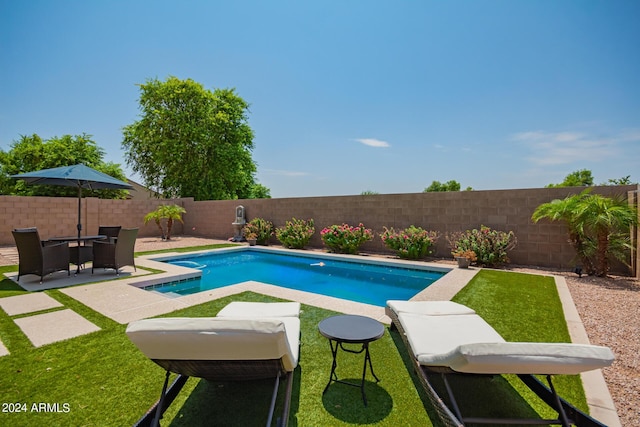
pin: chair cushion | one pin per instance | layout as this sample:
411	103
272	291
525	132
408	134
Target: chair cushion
524	358
260	309
431	308
469	344
215	338
432	336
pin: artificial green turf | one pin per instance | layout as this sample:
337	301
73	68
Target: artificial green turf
106	381
524	307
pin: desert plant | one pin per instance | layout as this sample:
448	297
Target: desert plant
345	239
410	243
567	210
156	217
170	213
490	246
295	234
261	228
598	227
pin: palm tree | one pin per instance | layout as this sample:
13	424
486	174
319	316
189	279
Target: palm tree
172	213
598	227
156	217
168	212
566	210
609	219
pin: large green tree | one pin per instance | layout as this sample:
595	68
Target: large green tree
451	185
32	153
191	142
579	178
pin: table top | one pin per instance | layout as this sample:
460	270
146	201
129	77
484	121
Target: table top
350	328
75	238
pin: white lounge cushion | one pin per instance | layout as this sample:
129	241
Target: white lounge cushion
216	338
469	344
431	308
523	358
436	335
260	309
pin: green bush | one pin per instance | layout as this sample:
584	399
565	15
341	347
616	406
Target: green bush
490	246
261	228
295	234
410	243
345	239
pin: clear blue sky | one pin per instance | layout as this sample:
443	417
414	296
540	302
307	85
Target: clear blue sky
348	96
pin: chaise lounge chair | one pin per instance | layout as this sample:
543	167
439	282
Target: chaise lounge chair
246	341
445	338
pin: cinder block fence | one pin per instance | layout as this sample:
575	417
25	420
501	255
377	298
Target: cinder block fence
543	244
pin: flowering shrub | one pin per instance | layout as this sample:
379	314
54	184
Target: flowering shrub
410	243
345	239
295	234
490	246
261	229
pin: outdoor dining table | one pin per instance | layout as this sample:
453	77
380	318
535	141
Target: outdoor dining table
80	253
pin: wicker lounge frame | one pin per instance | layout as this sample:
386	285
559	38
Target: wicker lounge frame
211	339
220	370
450	414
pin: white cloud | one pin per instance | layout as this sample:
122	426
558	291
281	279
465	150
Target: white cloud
556	148
373	142
284	172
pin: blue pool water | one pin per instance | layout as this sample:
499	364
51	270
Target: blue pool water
361	282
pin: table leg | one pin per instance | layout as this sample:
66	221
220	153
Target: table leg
333	377
367	358
78	265
334	364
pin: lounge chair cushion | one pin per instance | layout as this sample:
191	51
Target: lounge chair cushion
260	309
216	338
431	308
430	336
469	344
523	358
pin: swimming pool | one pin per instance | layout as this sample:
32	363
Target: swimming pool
368	281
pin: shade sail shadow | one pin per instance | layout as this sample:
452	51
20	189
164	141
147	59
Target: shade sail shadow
344	402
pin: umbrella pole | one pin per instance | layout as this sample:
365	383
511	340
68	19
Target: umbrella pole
79	212
79	225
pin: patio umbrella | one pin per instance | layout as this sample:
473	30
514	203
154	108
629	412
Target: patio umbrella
80	176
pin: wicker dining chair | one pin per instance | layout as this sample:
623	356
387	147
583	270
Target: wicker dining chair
115	254
38	257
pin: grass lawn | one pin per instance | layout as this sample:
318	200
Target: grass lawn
106	381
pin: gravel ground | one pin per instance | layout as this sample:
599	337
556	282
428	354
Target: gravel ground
609	308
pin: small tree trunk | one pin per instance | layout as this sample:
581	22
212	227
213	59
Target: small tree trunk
160	227
169	227
578	244
602	261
